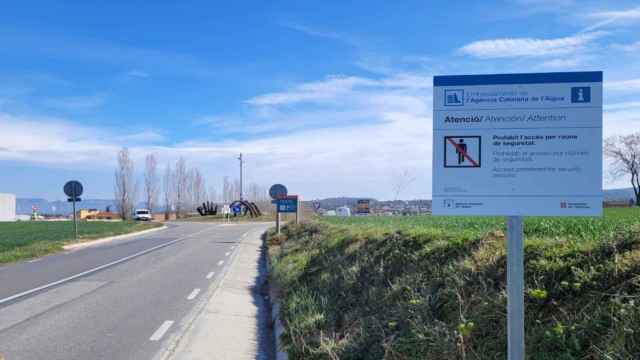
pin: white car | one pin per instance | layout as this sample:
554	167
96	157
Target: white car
142	215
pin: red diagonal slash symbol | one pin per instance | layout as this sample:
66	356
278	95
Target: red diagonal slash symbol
464	153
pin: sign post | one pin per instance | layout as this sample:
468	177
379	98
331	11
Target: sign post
276	192
517	145
515	288
73	189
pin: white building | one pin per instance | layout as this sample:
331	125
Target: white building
7	207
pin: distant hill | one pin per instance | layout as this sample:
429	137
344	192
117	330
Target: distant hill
352	202
333	203
619	194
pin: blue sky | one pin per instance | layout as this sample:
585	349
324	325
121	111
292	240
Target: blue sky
331	98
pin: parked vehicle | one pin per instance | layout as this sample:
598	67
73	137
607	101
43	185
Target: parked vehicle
142	215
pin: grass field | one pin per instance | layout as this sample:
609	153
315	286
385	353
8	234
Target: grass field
434	287
29	239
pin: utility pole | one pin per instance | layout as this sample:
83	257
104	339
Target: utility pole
240	158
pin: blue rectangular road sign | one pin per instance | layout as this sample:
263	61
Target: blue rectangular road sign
288	205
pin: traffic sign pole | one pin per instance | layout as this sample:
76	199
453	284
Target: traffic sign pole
75	220
515	288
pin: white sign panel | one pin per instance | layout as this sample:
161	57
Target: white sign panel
518	144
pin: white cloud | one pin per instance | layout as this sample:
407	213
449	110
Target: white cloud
623	85
335	87
628	14
621	121
633	47
330	89
622	17
622	106
369	129
529	47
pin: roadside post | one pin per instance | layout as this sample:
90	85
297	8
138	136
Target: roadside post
226	212
277	191
73	189
517	145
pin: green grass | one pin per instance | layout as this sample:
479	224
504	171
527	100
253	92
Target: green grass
434	287
29	239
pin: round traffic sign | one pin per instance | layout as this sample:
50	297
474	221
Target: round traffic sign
73	189
277	191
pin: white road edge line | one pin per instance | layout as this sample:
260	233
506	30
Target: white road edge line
193	294
96	269
220	262
161	331
210	275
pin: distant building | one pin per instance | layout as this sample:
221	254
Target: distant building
343	211
7	207
84	214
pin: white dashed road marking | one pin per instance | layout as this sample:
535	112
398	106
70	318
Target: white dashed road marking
210	275
193	294
220	262
161	330
227	254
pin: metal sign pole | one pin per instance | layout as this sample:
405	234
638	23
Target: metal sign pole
297	212
278	218
515	288
75	221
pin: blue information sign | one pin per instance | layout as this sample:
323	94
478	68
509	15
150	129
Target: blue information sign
288	205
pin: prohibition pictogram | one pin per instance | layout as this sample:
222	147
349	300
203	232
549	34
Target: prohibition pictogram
462	151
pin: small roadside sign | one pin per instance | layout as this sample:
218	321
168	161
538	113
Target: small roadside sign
73	189
363	207
288	204
277	191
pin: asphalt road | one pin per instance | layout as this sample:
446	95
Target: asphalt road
125	311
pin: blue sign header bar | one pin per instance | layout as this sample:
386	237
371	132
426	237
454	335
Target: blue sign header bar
531	78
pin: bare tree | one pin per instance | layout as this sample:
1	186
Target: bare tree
256	192
402	180
168	187
151	181
227	190
199	187
189	196
180	182
236	189
125	188
212	194
624	153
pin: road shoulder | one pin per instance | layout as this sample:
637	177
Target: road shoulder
234	321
